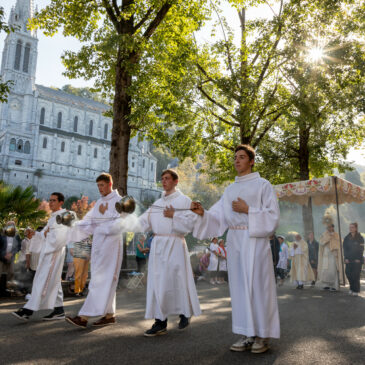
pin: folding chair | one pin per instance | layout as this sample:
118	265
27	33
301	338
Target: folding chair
135	280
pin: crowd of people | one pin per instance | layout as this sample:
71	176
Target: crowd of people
248	213
321	261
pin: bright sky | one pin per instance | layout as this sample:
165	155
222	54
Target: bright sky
50	68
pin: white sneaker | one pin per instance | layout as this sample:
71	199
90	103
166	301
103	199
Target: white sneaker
27	297
260	345
212	282
355	294
243	344
350	292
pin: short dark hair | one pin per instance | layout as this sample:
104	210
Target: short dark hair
60	196
355	225
105	177
173	174
248	149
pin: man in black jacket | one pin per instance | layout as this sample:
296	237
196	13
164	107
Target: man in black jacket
313	247
10	244
353	246
275	251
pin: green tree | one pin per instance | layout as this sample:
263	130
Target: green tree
85	92
19	205
119	52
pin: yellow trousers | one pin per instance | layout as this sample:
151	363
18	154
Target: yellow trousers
81	273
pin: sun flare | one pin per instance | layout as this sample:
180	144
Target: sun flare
315	54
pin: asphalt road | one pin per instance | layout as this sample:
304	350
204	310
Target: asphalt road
317	327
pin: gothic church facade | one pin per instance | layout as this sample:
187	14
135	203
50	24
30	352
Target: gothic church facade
53	140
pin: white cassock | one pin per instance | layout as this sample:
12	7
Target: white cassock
250	267
106	255
170	283
47	289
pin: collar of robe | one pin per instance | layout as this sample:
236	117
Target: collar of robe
171	196
57	212
109	196
248	177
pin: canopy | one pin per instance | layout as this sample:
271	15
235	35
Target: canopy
322	191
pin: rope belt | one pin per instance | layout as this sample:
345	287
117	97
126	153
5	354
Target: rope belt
169	235
239	227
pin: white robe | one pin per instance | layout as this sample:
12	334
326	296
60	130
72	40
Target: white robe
250	267
170	283
47	289
213	259
222	261
106	255
283	257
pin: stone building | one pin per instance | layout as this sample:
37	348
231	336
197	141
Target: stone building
53	140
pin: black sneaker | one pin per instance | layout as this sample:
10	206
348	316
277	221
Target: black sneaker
54	316
21	315
184	322
157	329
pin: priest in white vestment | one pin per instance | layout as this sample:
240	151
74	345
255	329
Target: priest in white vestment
301	271
250	211
106	256
170	283
330	269
47	289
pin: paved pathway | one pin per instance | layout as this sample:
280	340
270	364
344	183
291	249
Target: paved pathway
317	327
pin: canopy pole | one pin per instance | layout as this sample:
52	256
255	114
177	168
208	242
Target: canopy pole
339	229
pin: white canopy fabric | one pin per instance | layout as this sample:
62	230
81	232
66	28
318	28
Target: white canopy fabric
322	191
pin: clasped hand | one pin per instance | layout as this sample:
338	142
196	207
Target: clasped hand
240	206
169	212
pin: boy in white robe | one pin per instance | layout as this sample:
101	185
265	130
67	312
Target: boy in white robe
250	211
170	283
106	256
47	289
282	265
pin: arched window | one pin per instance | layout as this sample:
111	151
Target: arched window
106	127
95	153
79	149
144	163
26	58
19	146
59	120
91	124
45	142
62	146
27	147
76	121
18	55
43	114
12	145
151	166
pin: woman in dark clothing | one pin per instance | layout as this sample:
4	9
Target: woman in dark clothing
353	246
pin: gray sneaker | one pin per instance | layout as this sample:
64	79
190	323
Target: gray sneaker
243	344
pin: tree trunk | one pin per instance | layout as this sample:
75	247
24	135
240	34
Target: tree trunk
307	213
121	132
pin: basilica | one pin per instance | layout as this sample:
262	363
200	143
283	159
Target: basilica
52	140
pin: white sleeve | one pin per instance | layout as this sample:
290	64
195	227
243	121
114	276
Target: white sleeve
213	222
263	221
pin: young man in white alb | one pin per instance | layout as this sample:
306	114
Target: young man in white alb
170	283
47	289
250	211
106	256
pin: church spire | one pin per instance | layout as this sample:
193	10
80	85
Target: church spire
20	14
